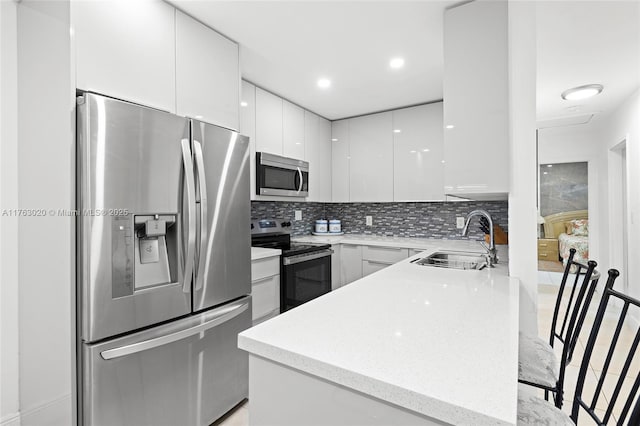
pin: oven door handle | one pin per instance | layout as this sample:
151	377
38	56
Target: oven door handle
292	260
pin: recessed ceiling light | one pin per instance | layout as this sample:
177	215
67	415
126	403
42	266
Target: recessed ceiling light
450	126
545	173
549	165
334	140
397	130
425	150
412	151
582	92
199	117
442	161
396	63
243	104
324	83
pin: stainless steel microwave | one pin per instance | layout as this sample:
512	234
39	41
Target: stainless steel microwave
276	175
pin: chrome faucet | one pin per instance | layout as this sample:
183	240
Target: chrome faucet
492	254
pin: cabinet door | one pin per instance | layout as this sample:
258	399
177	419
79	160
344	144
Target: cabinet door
418	151
207	74
387	255
371	266
268	122
336	278
371	163
340	161
317	136
475	90
265	295
350	263
126	51
248	128
293	135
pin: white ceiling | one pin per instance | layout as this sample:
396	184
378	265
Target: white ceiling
287	45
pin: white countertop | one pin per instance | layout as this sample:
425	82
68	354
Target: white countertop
262	253
440	342
400	242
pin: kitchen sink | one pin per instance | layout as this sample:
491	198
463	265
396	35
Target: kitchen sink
454	260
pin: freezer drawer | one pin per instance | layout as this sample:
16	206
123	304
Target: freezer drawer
188	372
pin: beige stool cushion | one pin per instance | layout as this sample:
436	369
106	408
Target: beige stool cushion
537	363
536	411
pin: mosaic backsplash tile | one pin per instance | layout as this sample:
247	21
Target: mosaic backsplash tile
420	220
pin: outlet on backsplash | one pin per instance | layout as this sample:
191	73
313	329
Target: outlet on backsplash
459	222
369	220
298	215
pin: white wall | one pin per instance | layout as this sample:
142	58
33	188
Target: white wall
522	142
623	124
9	365
45	171
575	144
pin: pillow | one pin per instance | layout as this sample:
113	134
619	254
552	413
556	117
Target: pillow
579	227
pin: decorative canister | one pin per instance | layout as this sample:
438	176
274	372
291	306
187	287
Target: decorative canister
335	226
322	225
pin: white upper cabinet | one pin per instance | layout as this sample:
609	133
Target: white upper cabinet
207	74
248	128
476	100
317	136
418	151
126	50
268	122
293	135
340	161
371	162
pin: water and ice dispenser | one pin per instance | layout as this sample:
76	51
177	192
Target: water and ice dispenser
145	252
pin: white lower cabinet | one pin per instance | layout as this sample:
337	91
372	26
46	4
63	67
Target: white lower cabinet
265	288
375	258
350	263
336	278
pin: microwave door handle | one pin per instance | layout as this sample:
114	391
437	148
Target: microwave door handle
300	177
202	183
191	215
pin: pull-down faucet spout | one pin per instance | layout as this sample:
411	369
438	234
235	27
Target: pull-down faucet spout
492	254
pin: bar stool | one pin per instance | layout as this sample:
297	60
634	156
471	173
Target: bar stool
538	364
535	411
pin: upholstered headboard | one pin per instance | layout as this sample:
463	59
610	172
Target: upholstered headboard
554	224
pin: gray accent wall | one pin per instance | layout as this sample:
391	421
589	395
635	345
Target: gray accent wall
418	220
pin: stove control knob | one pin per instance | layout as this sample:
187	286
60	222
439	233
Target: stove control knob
252	226
285	224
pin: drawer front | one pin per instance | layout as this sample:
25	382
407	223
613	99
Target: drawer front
389	255
266	267
371	266
266	296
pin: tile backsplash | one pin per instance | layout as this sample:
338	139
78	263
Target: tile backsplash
422	220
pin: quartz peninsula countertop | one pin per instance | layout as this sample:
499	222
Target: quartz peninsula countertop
440	342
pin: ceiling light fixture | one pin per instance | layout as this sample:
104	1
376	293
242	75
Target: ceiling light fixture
334	140
450	126
582	92
324	83
396	63
243	104
397	130
425	150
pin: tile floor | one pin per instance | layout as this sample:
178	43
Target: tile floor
547	291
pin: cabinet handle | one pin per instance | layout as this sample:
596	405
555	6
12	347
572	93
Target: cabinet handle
543	244
379	262
259	280
543	254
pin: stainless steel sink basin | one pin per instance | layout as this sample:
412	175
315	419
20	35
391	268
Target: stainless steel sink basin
454	260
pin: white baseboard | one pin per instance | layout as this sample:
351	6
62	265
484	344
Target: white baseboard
54	413
11	420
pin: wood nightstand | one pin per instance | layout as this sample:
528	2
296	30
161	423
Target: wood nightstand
548	249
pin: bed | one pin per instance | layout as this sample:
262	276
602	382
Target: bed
571	229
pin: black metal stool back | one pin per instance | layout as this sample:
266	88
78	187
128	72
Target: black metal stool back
566	325
630	371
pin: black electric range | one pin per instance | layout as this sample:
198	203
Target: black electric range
305	268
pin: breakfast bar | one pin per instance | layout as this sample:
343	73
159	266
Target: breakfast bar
409	344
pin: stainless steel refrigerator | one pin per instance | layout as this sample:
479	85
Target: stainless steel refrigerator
163	266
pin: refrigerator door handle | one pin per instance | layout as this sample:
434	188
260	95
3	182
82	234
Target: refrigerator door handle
223	315
202	183
191	214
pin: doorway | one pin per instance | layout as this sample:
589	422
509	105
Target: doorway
619	212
